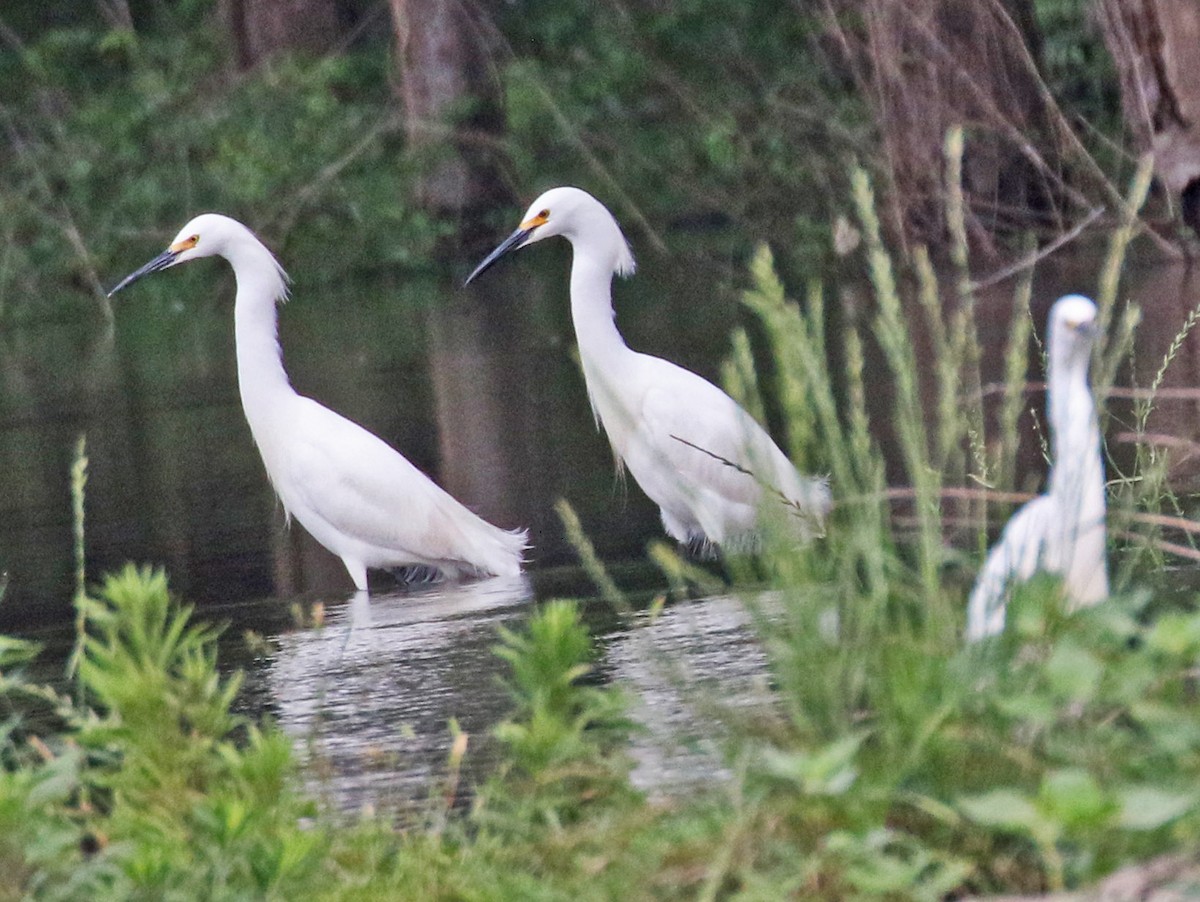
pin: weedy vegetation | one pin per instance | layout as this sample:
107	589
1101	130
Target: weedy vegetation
891	761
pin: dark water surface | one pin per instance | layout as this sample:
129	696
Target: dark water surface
480	389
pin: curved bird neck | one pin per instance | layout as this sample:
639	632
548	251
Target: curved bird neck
261	285
592	314
1075	429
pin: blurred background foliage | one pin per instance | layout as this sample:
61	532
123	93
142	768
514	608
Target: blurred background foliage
113	138
708	126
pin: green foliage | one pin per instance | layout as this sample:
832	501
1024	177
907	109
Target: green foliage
189	807
1047	757
181	797
562	735
1077	67
154	675
158	790
115	139
894	763
691	112
1083	731
730	122
40	842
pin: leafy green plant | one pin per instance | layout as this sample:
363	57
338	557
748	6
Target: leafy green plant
1094	717
562	736
40	783
193	796
153	675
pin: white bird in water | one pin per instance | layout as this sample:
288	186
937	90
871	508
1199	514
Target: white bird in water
702	459
358	497
1061	532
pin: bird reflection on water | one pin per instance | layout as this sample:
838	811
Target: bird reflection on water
370	692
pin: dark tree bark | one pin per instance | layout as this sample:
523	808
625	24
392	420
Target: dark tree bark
451	102
262	28
1154	44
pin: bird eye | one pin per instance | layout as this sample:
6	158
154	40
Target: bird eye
545	214
184	244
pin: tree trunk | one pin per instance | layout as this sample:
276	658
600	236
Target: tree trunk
451	102
262	28
453	121
1154	45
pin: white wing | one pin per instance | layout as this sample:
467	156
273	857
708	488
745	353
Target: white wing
713	449
352	483
1021	550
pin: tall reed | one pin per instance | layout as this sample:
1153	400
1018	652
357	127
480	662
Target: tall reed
79	475
897	595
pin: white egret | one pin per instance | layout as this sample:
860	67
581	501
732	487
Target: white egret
1061	532
358	497
702	459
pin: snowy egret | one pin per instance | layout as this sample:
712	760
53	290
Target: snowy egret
1061	532
702	459
357	496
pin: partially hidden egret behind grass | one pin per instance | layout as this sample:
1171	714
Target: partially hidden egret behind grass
1061	532
699	456
358	497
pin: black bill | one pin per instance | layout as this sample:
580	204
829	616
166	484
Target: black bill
162	261
511	243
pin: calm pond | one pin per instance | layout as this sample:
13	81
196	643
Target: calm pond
480	389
